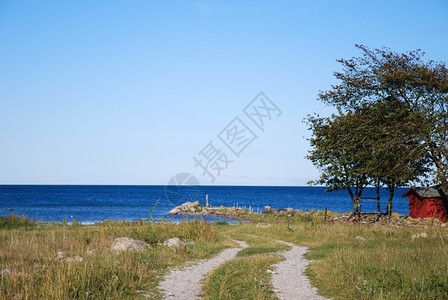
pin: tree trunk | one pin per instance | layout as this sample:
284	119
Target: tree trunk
391	189
355	203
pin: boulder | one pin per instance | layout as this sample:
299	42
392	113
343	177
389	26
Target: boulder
360	238
184	208
175	211
122	244
263	225
173	242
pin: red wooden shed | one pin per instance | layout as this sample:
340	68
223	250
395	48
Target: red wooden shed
423	201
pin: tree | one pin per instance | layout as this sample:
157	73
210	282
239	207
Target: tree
393	156
337	155
421	87
392	122
370	144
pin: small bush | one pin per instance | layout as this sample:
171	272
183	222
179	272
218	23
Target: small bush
15	221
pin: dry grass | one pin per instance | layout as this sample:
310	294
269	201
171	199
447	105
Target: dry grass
387	264
36	275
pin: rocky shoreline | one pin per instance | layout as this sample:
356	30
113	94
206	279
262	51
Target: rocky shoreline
196	209
236	213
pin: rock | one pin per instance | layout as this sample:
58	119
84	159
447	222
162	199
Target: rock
173	242
289	209
268	210
92	251
9	209
443	225
359	238
121	244
76	258
184	208
174	211
60	255
263	225
419	235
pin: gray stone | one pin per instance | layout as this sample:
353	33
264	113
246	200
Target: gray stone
263	225
122	244
174	211
184	208
173	242
359	238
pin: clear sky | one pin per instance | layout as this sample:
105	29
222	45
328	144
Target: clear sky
128	92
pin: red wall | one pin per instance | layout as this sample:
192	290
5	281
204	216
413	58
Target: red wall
424	208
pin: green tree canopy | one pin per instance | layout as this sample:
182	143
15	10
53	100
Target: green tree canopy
391	126
420	86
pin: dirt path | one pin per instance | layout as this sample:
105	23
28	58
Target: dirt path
186	283
288	279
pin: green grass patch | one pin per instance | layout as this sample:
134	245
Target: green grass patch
241	278
15	221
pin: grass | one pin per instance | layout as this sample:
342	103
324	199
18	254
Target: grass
15	221
103	275
387	264
247	276
241	278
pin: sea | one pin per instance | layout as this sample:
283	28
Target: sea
96	203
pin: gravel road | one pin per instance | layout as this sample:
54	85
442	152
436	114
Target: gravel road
185	284
288	279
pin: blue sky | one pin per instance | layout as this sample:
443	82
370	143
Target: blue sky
128	92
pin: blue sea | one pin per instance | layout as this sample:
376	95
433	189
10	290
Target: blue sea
92	203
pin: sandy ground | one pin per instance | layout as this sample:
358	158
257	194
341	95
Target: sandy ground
288	279
186	283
